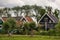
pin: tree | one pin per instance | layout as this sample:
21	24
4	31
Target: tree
1	12
29	27
17	9
12	22
56	13
6	26
9	25
26	27
42	11
35	7
27	9
6	12
58	27
32	26
39	10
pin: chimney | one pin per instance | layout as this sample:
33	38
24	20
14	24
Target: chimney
49	11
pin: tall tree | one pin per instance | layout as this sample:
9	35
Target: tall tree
32	26
17	9
27	9
26	27
1	12
39	10
56	13
9	25
6	12
6	26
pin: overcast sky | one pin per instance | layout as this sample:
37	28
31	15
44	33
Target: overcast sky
12	3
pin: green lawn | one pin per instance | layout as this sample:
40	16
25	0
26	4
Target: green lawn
21	37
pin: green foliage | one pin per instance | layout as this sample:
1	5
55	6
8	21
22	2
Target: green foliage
26	27
23	37
12	22
58	27
1	12
49	32
52	32
27	10
26	7
41	11
32	25
56	13
6	26
9	25
6	11
16	10
43	33
29	27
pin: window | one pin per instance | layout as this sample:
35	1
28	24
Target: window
0	27
1	21
46	19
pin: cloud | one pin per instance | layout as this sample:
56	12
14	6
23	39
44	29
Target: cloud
52	0
12	3
53	3
57	2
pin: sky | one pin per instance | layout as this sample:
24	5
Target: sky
12	3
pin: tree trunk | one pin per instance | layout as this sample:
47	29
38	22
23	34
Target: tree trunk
9	33
26	32
31	32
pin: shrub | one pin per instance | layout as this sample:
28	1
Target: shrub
52	32
43	32
9	25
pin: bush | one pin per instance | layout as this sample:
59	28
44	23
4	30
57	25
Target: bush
43	32
2	31
52	32
9	25
36	33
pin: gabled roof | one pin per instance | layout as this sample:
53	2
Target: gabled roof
4	18
29	19
16	18
52	17
19	20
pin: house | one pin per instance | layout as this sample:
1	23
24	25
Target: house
48	21
1	22
19	20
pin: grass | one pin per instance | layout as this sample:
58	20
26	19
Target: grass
24	37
